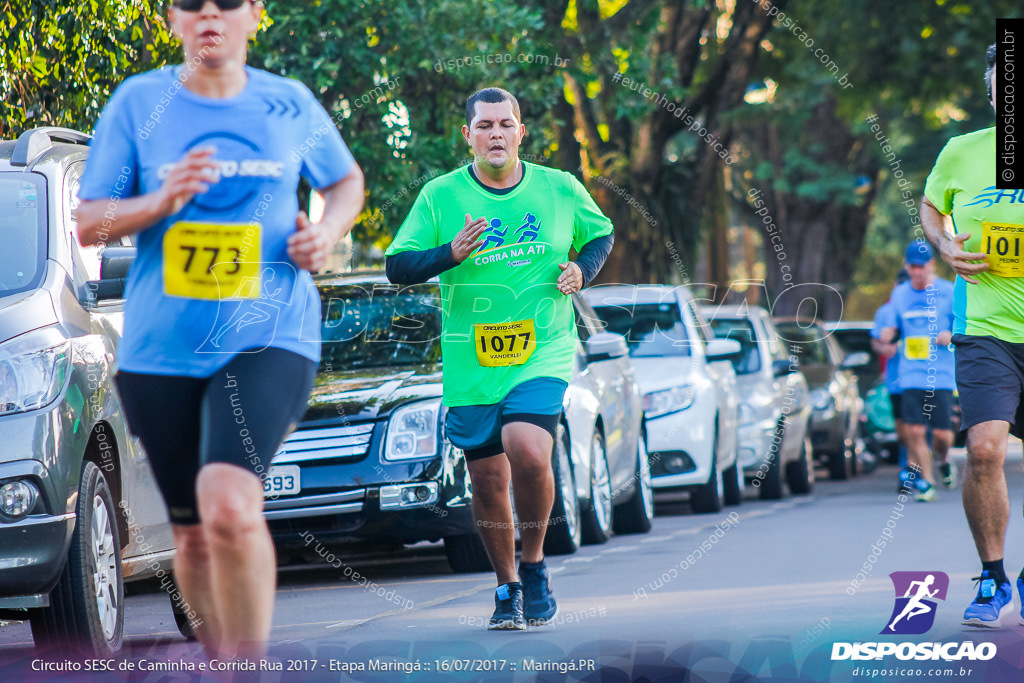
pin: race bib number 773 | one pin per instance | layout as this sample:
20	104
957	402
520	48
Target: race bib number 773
212	260
504	343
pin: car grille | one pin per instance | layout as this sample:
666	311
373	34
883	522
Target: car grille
350	442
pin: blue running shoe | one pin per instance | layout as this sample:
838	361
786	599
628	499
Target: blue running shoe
539	604
1020	592
993	600
508	608
906	481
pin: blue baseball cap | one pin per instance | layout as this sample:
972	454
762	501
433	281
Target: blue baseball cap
918	253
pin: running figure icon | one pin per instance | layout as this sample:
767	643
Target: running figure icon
914	606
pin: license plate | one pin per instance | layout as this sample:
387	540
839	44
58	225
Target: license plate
282	480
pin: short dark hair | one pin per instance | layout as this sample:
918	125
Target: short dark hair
990	66
491	96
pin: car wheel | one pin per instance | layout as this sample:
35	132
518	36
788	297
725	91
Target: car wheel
563	536
771	485
707	498
181	620
732	479
466	554
635	515
838	465
800	473
87	605
596	521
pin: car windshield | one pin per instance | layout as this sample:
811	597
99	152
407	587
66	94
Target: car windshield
649	329
740	330
806	342
853	341
375	325
22	232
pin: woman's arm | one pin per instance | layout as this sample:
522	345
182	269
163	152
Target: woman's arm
312	242
108	220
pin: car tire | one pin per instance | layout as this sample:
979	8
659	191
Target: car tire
708	498
596	521
181	620
86	608
732	480
771	485
800	473
838	465
466	554
564	535
636	515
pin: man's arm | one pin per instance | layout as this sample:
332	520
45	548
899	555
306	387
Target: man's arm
419	265
593	255
950	246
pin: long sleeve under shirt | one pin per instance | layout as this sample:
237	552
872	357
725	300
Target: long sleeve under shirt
412	267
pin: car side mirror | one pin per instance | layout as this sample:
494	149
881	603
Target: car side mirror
781	368
723	349
605	346
114	265
857	359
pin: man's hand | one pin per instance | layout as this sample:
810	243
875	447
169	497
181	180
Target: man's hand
943	338
468	239
886	334
191	175
310	245
571	279
952	252
887	350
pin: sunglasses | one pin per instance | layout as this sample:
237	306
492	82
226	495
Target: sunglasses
223	5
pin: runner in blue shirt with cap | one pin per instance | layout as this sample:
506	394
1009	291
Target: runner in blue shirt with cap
923	326
222	321
884	317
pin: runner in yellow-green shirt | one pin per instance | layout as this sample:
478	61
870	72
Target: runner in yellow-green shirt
984	244
498	232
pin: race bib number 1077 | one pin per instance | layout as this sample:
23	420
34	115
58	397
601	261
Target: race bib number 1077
1002	243
504	343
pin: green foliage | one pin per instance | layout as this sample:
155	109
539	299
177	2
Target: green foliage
60	61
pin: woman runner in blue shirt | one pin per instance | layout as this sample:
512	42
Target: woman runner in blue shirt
222	322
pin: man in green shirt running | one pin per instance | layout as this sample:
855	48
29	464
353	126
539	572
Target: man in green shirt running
984	245
498	233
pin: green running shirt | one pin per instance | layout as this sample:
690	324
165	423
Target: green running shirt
509	279
963	183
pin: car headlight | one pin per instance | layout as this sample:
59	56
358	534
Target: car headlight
17	498
412	431
821	399
667	401
33	368
746	414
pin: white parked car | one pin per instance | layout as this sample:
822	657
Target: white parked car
775	410
689	387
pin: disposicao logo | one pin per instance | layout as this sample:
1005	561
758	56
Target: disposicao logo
916	595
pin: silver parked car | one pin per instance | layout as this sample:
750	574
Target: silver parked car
79	510
775	409
690	394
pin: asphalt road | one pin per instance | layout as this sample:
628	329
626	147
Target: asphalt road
764	589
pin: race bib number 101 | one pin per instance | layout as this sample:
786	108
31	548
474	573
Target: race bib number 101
1002	243
212	260
504	343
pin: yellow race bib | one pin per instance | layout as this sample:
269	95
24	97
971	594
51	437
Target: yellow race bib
916	348
1002	243
212	260
504	343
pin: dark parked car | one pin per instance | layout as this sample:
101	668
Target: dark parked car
369	465
854	336
79	510
835	401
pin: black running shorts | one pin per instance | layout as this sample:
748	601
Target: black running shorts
990	379
239	415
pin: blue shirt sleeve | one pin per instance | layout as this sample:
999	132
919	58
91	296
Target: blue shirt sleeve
884	317
593	255
326	158
112	169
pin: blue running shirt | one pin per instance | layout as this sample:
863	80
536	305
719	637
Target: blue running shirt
265	138
920	315
885	317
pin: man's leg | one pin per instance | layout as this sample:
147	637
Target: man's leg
917	450
986	500
492	511
243	567
192	574
533	483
